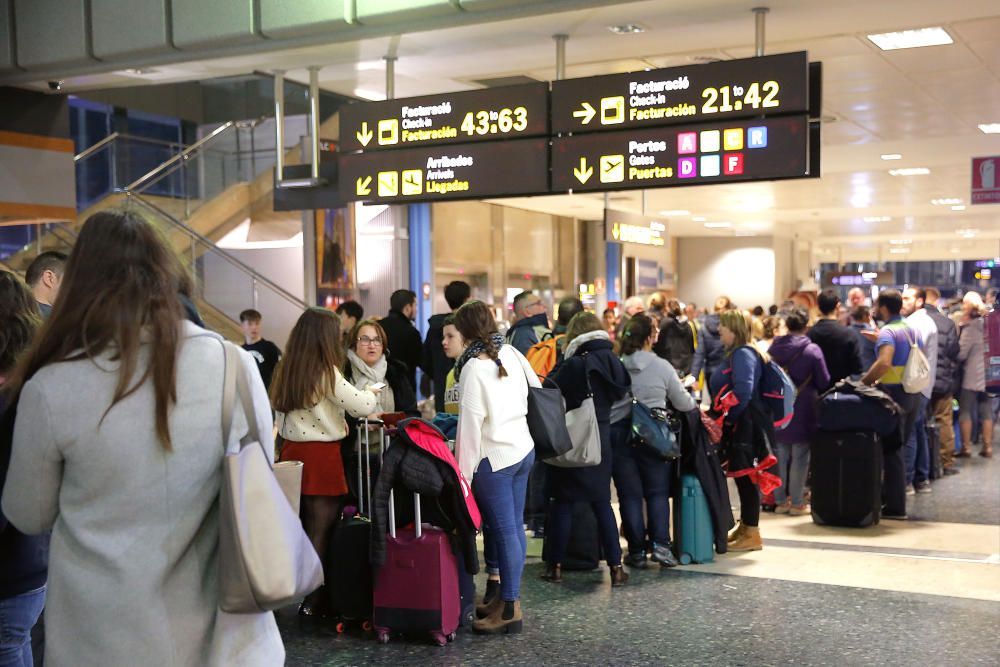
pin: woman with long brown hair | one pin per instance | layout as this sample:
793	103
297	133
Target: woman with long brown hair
311	397
495	450
118	450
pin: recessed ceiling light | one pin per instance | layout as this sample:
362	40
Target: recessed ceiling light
876	218
967	233
990	128
900	241
911	39
960	207
626	29
675	212
946	201
718	225
899	251
910	171
699	218
892	156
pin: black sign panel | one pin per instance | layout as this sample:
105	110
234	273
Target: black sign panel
505	112
468	171
747	150
749	87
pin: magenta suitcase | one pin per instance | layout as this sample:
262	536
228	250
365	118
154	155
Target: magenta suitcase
991	351
416	590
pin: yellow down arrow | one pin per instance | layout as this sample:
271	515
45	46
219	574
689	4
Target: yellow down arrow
363	188
365	135
583	172
586	113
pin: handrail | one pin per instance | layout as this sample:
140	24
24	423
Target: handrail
87	152
288	296
183	155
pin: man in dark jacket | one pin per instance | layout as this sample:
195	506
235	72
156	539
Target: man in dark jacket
710	352
946	379
676	340
434	361
840	344
531	323
404	340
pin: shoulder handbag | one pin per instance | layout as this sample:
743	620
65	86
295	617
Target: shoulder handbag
266	560
547	421
651	431
584	433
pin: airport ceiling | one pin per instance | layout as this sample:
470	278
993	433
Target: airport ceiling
924	104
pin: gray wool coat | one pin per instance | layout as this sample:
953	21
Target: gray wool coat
133	572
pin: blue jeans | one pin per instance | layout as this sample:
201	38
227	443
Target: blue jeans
916	451
793	466
501	495
640	476
18	616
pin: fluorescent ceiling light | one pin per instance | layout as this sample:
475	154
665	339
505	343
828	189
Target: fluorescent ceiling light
876	218
946	201
626	29
899	251
990	128
910	171
900	241
699	218
675	212
958	208
892	156
911	39
967	233
369	95
718	225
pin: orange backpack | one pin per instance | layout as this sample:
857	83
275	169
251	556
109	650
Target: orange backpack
543	355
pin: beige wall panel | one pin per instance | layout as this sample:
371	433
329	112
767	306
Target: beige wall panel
528	242
462	236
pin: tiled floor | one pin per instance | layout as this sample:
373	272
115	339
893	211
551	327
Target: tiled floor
921	591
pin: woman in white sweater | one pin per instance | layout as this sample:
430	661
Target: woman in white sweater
494	449
311	396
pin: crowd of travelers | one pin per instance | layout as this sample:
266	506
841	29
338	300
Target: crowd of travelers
112	394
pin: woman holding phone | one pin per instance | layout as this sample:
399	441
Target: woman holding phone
370	366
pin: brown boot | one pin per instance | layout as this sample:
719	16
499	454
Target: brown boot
491	599
736	533
496	624
553	573
748	541
619	577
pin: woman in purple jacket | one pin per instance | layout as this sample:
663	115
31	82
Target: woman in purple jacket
803	361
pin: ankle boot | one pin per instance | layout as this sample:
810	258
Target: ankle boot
491	599
736	533
748	541
553	573
507	619
618	576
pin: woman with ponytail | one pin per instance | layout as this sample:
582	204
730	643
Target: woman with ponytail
494	449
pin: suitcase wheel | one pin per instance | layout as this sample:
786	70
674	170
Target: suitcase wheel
439	638
366	626
383	637
340	627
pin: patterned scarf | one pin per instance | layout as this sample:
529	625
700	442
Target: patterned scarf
476	348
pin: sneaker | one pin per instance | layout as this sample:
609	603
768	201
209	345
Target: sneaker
950	471
894	517
783	508
636	560
800	510
923	487
910	490
663	555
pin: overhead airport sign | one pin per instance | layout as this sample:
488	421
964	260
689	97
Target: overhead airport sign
747	150
506	112
622	227
985	180
777	84
467	171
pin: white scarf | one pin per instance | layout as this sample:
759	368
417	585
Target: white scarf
365	376
584	338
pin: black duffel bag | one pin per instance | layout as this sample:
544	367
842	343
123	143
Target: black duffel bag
851	405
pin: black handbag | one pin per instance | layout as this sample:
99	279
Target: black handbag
651	430
547	421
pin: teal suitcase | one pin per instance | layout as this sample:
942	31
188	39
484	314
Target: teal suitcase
693	524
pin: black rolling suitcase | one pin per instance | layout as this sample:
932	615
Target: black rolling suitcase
846	478
349	577
584	549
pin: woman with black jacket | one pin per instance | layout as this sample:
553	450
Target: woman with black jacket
676	340
589	361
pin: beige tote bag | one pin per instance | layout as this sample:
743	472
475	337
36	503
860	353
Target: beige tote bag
266	560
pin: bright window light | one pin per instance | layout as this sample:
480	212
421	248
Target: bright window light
911	39
892	156
946	201
910	171
990	128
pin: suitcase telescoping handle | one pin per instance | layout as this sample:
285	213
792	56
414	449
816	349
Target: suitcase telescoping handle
392	507
365	474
